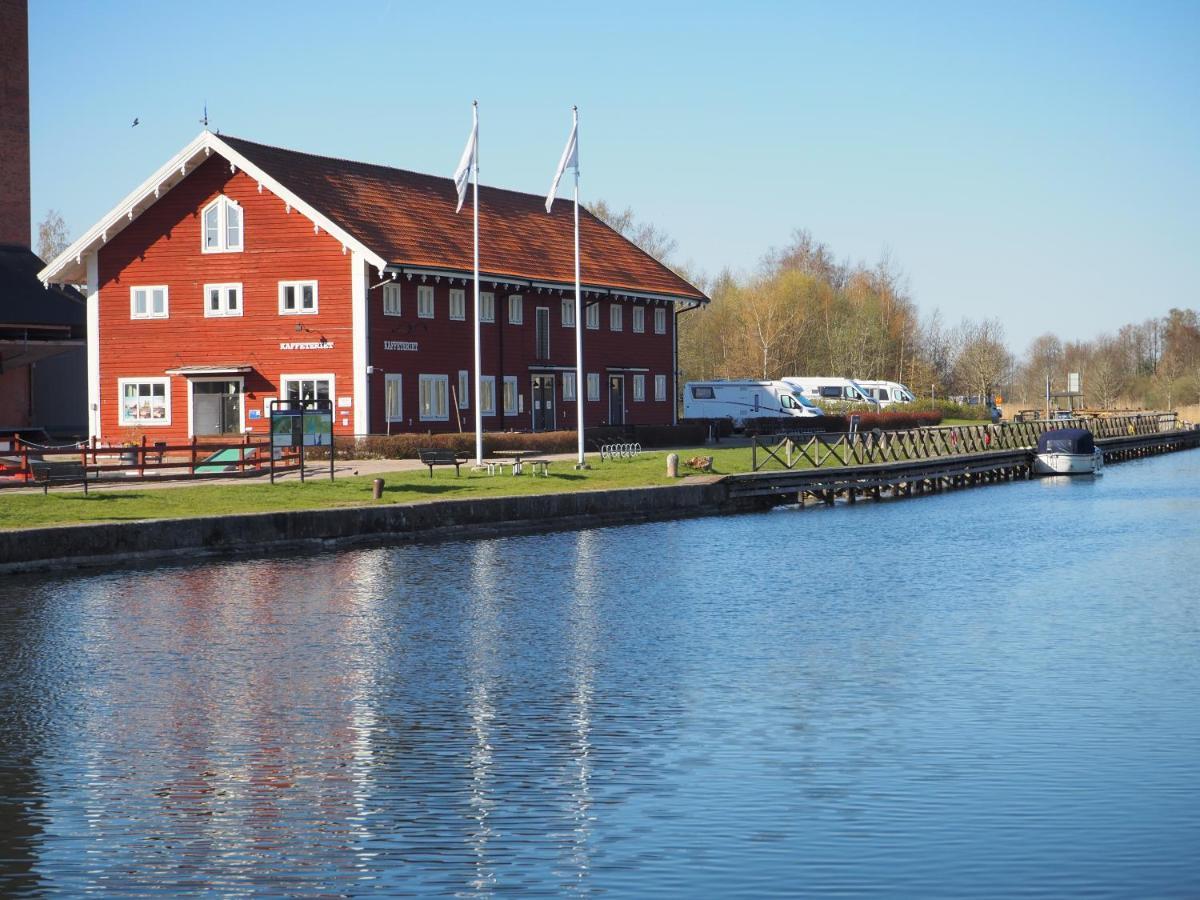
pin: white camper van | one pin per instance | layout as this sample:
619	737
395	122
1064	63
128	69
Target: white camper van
888	392
743	400
818	388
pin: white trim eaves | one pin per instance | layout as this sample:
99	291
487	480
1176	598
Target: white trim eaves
69	267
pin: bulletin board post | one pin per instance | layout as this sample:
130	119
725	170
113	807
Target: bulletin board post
300	424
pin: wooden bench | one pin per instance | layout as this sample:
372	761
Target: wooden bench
46	474
433	458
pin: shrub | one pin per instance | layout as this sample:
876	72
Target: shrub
951	410
887	420
407	445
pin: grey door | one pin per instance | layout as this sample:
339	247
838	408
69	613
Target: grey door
216	407
543	402
616	399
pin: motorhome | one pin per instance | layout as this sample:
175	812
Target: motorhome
745	400
823	389
887	393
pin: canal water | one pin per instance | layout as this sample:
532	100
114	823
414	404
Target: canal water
984	693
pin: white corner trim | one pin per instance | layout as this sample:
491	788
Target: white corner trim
360	275
93	344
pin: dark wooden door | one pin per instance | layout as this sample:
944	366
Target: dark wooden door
616	399
543	402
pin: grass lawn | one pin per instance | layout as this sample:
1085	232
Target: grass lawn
70	506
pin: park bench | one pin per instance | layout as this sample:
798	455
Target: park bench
46	474
433	458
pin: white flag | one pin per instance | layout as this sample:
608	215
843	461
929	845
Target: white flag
570	160
469	161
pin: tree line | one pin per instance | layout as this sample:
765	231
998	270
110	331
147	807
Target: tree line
801	311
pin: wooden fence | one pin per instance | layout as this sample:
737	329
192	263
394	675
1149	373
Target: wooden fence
862	448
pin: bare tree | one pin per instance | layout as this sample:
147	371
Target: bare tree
53	237
982	357
646	235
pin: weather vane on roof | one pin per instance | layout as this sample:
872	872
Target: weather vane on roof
204	121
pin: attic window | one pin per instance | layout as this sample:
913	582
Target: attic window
222	227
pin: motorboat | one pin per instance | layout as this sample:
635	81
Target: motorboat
1068	451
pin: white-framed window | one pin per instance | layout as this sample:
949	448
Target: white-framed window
458	304
144	401
660	320
221	227
639	387
516	309
512	403
425	301
222	300
487	395
593	386
660	387
435	406
568	312
464	388
592	315
614	317
306	387
148	302
568	385
393	397
487	306
391	299
639	319
297	298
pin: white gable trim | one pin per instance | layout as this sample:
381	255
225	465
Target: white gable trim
70	266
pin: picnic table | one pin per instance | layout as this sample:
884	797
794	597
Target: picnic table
518	459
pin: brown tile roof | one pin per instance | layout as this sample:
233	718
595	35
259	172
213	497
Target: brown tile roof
409	219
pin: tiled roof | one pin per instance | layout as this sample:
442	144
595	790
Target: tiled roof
409	219
26	302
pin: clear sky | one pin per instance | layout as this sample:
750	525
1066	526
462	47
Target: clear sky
1036	162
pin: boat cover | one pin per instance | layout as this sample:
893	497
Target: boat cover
1066	440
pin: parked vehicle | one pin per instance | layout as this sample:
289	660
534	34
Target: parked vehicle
820	388
887	393
745	400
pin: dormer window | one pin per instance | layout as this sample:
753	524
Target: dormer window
222	227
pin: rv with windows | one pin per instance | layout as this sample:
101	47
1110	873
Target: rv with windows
886	393
745	400
822	389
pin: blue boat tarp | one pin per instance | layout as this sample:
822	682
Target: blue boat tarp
1066	440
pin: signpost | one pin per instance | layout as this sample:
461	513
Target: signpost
300	424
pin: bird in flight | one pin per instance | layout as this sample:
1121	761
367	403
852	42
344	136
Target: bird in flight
135	123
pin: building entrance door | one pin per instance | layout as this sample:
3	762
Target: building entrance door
616	399
543	402
216	407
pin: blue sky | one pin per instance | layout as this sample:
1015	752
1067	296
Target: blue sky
1035	162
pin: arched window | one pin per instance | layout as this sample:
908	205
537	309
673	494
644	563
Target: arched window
221	229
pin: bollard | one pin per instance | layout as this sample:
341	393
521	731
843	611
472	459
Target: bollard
672	465
377	488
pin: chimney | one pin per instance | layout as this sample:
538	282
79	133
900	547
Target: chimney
15	219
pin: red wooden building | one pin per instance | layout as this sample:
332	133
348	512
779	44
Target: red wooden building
239	272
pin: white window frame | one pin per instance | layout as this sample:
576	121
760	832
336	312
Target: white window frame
487	389
149	289
144	423
426	304
464	389
458	304
222	204
223	310
568	390
568	312
593	387
516	309
392	300
592	315
398	380
639	388
299	287
660	320
442	381
515	409
487	306
639	320
660	388
615	317
287	378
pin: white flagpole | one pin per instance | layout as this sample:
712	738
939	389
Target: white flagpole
579	383
478	355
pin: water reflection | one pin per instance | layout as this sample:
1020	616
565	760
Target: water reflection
712	707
